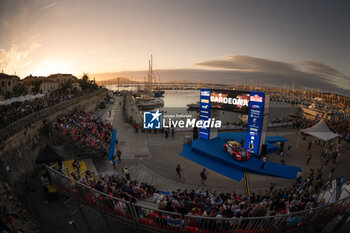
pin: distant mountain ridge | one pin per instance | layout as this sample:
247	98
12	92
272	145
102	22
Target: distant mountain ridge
300	80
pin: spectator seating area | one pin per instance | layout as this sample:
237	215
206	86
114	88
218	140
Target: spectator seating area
16	111
341	127
86	130
274	210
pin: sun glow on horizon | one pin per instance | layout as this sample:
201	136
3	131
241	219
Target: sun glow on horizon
49	67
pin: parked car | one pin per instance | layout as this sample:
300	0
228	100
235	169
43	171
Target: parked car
236	151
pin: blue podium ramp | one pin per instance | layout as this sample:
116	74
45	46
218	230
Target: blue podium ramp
210	154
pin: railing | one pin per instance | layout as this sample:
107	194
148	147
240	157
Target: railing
36	116
146	219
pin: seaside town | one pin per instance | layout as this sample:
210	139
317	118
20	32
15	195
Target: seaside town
113	121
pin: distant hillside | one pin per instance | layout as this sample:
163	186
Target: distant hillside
111	81
166	76
225	77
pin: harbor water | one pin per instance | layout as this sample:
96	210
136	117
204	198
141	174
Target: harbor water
176	101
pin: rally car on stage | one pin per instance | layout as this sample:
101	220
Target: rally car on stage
236	151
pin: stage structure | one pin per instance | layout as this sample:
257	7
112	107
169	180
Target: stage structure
254	104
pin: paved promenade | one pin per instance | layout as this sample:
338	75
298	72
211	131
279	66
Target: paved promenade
152	158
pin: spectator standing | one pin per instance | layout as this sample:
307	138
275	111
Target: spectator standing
336	154
299	177
328	157
178	171
113	161
76	166
308	158
309	146
126	173
311	173
204	174
284	156
264	160
119	154
166	133
331	173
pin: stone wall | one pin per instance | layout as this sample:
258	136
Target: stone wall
18	151
132	111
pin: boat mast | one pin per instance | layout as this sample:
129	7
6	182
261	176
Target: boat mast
150	74
118	84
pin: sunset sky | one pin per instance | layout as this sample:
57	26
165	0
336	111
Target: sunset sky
41	37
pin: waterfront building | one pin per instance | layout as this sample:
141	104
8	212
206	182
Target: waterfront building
7	82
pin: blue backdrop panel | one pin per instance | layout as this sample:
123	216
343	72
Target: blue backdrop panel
211	154
112	145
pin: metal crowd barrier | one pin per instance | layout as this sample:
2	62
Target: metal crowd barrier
147	219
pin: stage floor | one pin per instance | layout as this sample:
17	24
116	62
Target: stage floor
211	155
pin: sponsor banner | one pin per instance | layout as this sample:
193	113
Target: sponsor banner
229	100
254	124
204	112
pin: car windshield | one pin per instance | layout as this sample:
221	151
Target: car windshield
240	150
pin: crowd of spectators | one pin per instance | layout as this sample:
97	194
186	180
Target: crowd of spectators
119	186
301	196
86	130
15	111
341	127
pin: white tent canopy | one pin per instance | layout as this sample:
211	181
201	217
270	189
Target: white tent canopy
21	99
321	131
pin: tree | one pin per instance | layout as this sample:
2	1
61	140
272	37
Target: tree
66	86
84	82
75	90
87	84
19	90
36	86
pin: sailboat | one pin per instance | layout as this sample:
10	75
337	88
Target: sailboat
146	101
157	92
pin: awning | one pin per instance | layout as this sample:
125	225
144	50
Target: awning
321	131
21	99
48	155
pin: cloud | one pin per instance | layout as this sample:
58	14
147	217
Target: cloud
326	72
319	68
27	63
15	60
48	6
308	73
247	64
